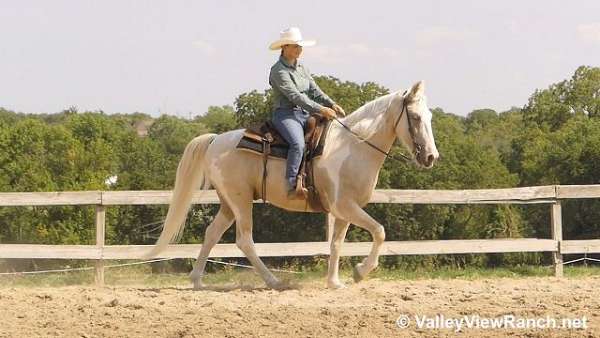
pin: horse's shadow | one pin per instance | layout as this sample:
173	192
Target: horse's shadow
226	288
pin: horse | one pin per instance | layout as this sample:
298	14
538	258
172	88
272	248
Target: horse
345	176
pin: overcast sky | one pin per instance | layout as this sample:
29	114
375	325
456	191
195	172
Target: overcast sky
179	57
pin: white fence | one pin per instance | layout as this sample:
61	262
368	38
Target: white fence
102	199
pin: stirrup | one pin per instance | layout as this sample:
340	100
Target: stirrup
300	193
294	194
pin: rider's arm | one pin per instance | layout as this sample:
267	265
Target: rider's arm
315	92
280	79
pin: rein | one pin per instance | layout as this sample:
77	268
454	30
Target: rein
387	154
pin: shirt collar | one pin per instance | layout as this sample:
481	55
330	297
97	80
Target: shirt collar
285	63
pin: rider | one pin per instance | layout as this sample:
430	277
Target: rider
295	96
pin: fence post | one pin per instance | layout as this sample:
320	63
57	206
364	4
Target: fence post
100	231
329	221
557	235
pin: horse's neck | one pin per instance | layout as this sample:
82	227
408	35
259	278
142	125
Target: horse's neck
383	137
367	160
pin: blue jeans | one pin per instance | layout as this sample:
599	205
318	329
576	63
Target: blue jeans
290	123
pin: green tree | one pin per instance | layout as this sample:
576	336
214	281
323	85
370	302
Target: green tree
253	107
350	95
554	139
550	108
218	119
174	133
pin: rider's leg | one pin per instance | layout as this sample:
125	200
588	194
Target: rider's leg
291	128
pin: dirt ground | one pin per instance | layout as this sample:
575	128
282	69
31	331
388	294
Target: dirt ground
367	309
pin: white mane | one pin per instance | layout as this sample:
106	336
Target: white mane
369	118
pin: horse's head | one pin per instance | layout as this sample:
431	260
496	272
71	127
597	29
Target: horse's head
414	126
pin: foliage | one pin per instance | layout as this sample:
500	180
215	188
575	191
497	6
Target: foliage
554	139
218	119
551	108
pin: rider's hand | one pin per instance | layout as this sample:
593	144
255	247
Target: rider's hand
328	113
339	109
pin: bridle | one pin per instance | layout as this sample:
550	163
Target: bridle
417	147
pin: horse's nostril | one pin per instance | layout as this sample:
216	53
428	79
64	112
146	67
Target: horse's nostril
430	159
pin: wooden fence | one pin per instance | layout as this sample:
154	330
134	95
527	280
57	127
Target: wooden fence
102	199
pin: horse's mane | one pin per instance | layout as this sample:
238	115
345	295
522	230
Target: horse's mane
369	118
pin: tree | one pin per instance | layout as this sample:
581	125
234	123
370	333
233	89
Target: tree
218	119
554	139
550	108
350	95
253	107
481	119
174	133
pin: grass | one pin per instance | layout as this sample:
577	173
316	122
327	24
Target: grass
142	275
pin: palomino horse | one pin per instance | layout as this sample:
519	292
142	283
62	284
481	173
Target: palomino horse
345	176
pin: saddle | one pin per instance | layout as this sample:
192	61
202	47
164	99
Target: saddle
264	139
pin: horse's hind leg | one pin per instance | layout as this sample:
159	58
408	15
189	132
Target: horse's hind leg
244	241
214	231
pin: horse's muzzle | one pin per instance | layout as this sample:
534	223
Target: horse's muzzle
427	160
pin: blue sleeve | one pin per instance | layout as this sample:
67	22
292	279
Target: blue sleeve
280	79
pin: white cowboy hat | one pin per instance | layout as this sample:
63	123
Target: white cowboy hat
291	36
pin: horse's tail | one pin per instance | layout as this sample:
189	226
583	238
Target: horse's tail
190	176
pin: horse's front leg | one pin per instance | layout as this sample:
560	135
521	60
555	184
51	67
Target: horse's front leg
356	215
339	233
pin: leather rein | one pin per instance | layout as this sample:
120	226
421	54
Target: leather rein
416	146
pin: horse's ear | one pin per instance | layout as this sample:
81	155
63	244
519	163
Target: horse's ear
418	89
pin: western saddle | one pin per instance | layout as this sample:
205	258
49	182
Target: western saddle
264	139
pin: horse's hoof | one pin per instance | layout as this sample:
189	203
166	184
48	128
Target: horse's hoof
356	274
198	285
336	285
276	285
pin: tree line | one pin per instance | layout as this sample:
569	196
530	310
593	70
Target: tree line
552	139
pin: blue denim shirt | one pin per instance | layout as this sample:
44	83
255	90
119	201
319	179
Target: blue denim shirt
293	86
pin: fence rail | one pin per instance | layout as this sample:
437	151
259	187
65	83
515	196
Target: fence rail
102	199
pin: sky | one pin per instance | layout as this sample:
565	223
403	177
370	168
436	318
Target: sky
180	57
